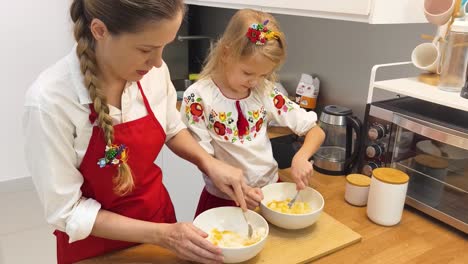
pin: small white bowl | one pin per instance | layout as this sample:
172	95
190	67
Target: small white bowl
280	192
231	218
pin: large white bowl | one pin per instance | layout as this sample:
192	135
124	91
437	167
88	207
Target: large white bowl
231	218
280	192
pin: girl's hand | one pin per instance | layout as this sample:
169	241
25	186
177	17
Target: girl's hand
229	180
188	242
253	197
301	170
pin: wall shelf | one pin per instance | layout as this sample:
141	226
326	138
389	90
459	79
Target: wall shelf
414	88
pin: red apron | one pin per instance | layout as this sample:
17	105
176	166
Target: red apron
149	200
208	201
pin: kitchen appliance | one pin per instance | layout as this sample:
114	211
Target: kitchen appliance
430	143
338	154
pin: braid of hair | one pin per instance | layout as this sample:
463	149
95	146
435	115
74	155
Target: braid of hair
123	180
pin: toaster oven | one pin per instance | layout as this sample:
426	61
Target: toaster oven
430	143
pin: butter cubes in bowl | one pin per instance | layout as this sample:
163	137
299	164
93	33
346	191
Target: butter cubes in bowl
227	228
305	212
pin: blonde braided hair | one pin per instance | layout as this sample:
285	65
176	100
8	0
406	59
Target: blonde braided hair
135	12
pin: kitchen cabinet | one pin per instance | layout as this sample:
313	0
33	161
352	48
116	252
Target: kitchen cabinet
367	11
184	182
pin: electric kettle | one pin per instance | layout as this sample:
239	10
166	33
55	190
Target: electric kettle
340	150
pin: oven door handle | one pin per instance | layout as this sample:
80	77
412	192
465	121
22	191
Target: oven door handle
432	131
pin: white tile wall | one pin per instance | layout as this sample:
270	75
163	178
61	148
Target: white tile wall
25	237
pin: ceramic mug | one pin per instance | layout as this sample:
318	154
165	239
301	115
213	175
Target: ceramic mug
426	56
438	12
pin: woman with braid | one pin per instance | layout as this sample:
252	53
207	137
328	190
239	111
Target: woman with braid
95	123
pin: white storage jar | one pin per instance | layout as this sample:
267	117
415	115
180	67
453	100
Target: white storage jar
387	194
357	189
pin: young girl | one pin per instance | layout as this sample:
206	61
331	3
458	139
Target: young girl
96	121
229	108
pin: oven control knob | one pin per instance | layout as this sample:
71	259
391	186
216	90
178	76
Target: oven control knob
369	167
374	151
376	131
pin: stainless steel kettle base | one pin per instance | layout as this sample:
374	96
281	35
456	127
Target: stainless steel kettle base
330	160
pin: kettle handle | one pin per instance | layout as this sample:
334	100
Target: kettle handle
356	125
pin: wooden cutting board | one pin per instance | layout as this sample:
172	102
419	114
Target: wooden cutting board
326	236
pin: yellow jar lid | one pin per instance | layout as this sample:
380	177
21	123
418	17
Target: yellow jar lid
358	180
431	161
390	175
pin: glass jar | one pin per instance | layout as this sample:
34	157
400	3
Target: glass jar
455	58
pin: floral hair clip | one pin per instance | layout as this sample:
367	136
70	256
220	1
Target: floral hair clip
259	33
113	156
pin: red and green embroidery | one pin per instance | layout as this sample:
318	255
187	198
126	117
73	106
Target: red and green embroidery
225	126
281	103
194	109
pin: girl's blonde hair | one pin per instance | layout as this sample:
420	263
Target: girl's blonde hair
239	46
119	16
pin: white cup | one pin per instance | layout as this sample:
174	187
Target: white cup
427	56
438	12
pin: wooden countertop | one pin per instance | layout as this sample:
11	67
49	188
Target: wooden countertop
418	238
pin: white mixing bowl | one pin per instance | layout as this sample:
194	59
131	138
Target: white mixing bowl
280	192
231	218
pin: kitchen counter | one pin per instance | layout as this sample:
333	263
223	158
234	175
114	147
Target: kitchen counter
418	238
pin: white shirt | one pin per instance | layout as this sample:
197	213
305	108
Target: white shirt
215	128
57	130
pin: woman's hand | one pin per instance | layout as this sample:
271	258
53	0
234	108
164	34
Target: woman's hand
188	242
301	170
253	197
229	180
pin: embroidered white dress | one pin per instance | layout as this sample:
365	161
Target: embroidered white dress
212	119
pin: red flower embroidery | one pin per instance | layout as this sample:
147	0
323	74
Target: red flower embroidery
196	109
219	128
279	101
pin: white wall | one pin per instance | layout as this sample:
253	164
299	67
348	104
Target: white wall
33	35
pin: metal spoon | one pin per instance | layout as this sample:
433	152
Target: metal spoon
250	231
293	200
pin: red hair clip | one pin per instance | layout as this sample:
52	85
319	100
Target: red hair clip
259	33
